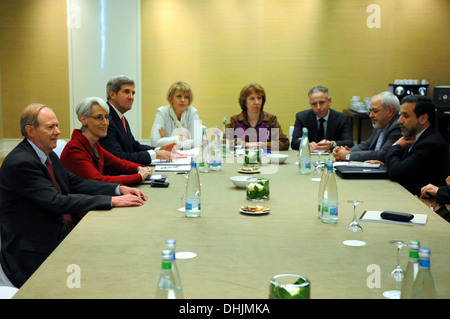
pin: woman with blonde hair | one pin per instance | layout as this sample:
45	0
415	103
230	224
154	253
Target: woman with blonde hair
179	121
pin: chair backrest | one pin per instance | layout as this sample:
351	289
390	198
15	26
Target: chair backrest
291	130
7	292
60	144
4	281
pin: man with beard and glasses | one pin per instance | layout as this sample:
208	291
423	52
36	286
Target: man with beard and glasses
420	156
384	113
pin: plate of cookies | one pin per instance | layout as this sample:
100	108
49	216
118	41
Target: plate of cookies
254	210
249	170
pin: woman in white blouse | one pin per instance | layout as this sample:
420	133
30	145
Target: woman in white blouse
177	122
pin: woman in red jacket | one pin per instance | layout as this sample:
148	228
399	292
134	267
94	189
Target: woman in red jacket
84	156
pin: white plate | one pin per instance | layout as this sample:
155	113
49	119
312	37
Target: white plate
254	213
249	172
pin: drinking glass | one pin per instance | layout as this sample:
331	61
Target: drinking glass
258	189
317	173
252	157
287	286
354	230
395	278
239	147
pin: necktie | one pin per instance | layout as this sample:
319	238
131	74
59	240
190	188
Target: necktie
70	220
48	164
124	124
321	135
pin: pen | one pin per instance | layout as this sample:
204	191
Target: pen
181	173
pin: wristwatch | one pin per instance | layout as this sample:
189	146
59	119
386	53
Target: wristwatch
347	157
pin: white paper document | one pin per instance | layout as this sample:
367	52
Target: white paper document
375	216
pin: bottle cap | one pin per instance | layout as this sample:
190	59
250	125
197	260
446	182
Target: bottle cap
424	253
414	244
166	253
170	243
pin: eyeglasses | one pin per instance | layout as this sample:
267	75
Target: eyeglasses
101	117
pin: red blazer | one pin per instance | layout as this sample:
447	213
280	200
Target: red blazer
78	157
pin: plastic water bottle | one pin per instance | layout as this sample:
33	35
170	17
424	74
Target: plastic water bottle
166	288
304	154
171	245
411	270
330	198
224	138
215	163
423	287
323	179
193	191
204	156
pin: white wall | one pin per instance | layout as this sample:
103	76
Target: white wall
104	41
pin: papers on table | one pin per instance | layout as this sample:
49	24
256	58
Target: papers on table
172	168
374	216
180	163
175	161
356	164
362	164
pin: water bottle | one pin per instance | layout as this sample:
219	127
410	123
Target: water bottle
330	198
171	245
193	191
323	179
166	288
215	161
411	270
204	156
304	154
224	138
423	287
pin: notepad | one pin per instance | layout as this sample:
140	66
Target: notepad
374	216
172	168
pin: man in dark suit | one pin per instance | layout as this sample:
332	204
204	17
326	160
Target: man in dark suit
384	109
420	156
327	128
36	191
120	141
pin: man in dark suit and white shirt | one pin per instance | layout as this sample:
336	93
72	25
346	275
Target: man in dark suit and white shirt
420	156
36	191
120	141
384	113
327	128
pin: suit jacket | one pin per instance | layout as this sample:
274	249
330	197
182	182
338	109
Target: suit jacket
338	129
278	136
366	150
122	144
78	157
425	163
32	211
443	195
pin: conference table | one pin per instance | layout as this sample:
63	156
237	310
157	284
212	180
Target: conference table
117	253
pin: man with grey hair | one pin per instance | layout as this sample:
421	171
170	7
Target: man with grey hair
384	113
327	128
120	141
36	191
